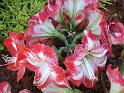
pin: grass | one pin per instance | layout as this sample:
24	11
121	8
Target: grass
14	15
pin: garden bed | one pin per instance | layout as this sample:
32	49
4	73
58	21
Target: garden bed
115	11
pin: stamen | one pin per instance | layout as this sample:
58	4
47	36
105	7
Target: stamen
9	59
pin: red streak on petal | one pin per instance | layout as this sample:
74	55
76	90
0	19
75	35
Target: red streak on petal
20	73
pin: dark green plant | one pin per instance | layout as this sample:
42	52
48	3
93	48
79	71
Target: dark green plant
14	15
103	3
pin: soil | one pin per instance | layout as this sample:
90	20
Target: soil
115	12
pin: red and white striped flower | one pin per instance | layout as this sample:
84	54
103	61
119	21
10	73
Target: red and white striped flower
16	47
15	44
116	80
47	70
116	30
83	65
40	25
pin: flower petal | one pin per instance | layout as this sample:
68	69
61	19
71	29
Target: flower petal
116	80
73	6
89	40
88	83
91	74
57	75
95	17
20	73
80	51
5	87
12	67
42	75
46	53
14	42
89	69
99	61
40	24
116	30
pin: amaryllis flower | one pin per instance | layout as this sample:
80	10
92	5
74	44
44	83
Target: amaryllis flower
72	13
40	25
116	31
116	80
48	72
39	31
15	45
5	87
96	20
83	65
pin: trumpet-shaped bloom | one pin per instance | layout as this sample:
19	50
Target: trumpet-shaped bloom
72	12
15	44
48	72
38	32
116	80
40	24
83	65
116	30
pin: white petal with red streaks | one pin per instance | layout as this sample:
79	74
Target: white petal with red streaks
44	71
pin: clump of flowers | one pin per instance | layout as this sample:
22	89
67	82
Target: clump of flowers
66	42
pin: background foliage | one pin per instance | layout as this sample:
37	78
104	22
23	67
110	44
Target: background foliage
14	15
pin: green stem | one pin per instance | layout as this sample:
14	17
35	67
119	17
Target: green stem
60	51
61	37
77	37
57	34
106	2
62	21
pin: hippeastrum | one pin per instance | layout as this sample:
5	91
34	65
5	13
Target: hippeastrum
82	67
15	44
72	12
16	47
47	70
116	31
116	80
5	87
40	25
40	31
